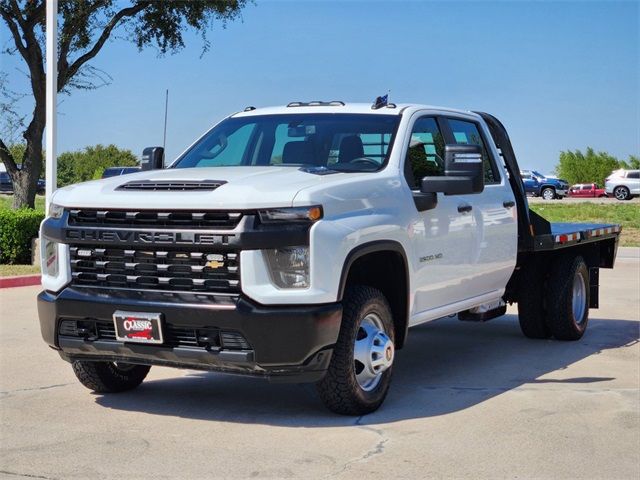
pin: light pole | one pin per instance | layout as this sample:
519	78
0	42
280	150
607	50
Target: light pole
51	106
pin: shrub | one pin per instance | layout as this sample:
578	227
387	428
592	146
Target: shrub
17	228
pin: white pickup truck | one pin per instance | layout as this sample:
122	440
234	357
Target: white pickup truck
300	243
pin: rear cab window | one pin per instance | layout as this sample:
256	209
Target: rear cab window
466	132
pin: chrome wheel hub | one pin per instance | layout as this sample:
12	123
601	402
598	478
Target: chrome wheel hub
579	298
373	352
548	194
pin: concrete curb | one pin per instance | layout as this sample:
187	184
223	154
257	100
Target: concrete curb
20	281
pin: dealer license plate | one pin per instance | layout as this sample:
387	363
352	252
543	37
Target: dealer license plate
138	327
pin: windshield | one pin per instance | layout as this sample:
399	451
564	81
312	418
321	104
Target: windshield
537	174
344	142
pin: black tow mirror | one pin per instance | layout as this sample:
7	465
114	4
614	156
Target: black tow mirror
152	158
463	172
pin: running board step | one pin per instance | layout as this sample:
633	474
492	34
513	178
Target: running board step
484	312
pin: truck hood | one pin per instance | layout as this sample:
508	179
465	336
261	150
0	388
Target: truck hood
246	188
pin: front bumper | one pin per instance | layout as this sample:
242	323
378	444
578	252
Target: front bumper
287	343
562	192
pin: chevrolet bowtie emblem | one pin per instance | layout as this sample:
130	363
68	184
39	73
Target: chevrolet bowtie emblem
214	264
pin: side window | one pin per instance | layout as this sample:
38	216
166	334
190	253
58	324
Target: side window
633	175
467	133
425	155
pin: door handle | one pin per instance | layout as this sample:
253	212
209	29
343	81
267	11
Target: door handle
464	208
508	204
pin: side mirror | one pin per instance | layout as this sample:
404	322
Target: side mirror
152	158
463	172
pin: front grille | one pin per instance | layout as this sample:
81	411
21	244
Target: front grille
168	185
183	337
153	219
143	269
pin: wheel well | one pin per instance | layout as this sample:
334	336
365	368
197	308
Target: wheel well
385	270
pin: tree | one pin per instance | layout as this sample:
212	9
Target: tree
84	27
632	163
90	163
590	167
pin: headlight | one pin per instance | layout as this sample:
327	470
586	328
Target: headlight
294	214
55	211
289	266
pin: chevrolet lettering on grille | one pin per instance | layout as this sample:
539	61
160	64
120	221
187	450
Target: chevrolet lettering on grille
148	238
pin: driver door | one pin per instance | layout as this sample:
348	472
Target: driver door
442	238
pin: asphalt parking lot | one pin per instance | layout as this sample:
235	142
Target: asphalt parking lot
467	401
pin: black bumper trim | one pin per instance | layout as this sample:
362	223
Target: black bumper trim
291	343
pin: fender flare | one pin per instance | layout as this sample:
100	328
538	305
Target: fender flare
373	247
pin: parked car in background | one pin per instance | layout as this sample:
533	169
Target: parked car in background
538	185
587	190
623	184
6	185
115	171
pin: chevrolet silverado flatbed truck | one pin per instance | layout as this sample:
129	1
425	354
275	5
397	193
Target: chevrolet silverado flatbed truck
300	243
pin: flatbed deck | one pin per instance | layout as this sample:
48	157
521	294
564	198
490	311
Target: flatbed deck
564	235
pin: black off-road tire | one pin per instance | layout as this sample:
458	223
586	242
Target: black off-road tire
531	302
560	314
339	389
109	377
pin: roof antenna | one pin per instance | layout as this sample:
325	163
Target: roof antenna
380	102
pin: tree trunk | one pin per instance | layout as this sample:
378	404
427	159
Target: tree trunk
25	180
24	190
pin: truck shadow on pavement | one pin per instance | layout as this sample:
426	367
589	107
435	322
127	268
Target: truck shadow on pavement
447	366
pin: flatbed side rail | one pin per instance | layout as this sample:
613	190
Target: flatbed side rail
557	240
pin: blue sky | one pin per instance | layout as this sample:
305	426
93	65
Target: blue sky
560	75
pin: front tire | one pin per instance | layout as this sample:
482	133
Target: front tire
568	298
548	193
358	377
109	377
622	193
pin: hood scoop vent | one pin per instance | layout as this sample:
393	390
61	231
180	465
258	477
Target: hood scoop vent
171	185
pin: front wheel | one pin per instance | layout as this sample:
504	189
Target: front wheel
548	193
109	377
359	374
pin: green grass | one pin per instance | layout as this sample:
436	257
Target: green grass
13	270
625	214
7	200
